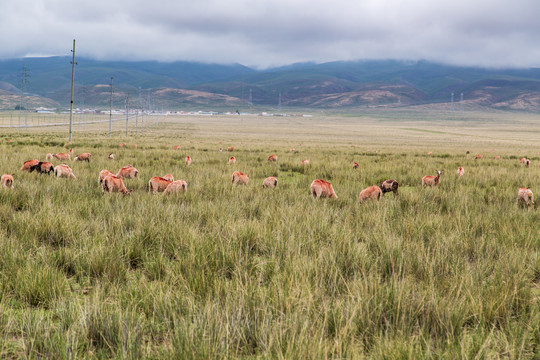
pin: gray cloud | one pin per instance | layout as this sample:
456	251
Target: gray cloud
267	33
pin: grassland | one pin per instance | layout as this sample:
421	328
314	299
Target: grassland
245	272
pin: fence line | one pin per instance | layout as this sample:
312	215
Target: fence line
24	126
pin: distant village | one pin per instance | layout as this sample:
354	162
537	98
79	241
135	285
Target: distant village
44	110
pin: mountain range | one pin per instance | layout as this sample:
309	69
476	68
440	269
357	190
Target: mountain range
341	85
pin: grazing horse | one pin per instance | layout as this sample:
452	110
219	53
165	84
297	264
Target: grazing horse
112	184
370	193
176	187
525	197
239	178
269	182
320	188
27	165
389	185
83	157
159	184
63	170
7	181
43	167
127	172
429	180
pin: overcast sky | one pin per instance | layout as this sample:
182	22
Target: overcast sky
263	33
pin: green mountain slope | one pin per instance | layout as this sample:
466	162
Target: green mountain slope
327	85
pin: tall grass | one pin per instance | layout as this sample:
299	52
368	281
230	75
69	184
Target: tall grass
229	271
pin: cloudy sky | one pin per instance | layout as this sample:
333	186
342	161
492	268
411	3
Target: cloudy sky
263	33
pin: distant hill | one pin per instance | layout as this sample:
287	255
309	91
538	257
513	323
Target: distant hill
333	85
395	83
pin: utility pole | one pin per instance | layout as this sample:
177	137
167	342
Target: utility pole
127	113
110	112
72	80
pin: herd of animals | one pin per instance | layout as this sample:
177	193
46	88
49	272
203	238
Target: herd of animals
111	182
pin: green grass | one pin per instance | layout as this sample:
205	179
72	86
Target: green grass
245	272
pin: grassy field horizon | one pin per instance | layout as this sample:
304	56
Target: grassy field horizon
227	271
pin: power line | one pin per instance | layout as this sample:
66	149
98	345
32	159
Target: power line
110	110
83	90
137	115
22	103
127	113
73	63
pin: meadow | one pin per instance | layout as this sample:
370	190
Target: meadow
227	271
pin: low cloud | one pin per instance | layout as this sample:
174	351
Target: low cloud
270	33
